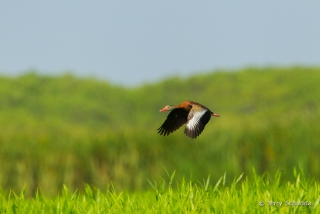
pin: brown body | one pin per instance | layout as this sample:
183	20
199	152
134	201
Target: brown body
191	113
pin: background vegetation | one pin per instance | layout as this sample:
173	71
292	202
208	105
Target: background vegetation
69	130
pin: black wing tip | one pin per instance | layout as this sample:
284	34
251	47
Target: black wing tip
196	131
192	134
163	131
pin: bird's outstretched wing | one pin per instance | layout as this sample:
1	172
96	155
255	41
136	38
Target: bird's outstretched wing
176	118
196	123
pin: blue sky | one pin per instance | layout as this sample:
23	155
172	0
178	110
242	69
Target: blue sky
131	42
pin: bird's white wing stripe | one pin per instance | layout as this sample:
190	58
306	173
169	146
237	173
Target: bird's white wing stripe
195	119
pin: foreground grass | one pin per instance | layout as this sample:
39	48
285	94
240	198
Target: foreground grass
259	194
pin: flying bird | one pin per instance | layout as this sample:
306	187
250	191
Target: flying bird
193	114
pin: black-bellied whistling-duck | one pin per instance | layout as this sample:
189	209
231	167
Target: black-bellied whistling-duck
195	115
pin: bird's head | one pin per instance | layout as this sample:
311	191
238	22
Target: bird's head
167	108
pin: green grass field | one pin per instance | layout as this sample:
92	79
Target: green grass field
258	194
62	135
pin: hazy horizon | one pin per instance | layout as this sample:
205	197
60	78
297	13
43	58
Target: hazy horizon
130	43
